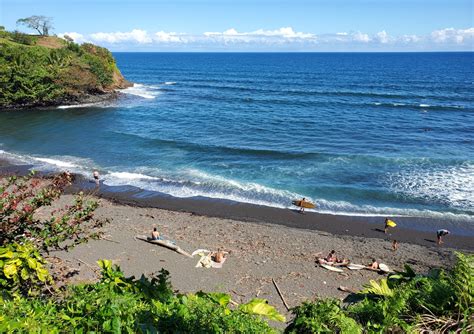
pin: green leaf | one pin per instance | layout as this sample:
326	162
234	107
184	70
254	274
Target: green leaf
10	270
32	263
379	289
6	254
221	298
42	274
260	307
24	274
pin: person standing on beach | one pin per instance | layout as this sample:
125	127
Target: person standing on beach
388	223
95	174
301	205
440	234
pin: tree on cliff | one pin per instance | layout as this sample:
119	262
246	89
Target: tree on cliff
40	23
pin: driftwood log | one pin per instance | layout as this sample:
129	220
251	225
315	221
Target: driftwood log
164	243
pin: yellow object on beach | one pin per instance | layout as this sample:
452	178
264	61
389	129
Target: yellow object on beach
390	223
304	204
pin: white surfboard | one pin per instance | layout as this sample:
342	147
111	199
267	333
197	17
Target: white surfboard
384	268
328	267
353	266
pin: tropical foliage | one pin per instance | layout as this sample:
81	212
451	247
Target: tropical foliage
439	302
46	70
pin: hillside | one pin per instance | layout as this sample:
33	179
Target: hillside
40	71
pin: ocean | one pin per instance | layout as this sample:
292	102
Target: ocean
376	134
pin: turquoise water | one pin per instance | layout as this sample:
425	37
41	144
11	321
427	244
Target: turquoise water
360	133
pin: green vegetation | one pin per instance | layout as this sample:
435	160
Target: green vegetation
47	70
441	301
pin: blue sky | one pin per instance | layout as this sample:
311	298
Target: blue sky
259	25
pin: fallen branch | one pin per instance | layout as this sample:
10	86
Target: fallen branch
104	238
96	271
280	294
166	244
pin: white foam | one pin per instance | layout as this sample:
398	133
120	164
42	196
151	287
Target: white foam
85	105
170	83
193	183
424	105
131	176
144	91
56	162
452	186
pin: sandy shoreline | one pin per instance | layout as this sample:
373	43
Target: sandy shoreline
259	252
263	244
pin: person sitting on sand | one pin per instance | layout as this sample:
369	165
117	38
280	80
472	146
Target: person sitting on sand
331	256
218	256
155	235
440	234
374	264
395	245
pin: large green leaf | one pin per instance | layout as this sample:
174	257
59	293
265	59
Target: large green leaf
379	289
261	307
10	269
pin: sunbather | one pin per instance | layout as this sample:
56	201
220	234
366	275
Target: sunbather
218	256
394	245
155	235
331	256
374	264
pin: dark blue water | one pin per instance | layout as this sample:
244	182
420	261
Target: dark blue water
362	133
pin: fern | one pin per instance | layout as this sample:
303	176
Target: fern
462	280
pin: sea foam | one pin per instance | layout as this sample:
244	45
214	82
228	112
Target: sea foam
141	90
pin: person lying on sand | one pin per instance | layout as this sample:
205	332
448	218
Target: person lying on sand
374	264
332	259
155	235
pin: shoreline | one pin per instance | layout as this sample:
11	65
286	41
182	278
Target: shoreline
86	99
408	230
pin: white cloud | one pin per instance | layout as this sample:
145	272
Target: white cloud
77	37
452	35
360	37
284	38
382	37
410	38
161	36
284	33
136	35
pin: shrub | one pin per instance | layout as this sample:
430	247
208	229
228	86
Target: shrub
124	305
323	316
22	38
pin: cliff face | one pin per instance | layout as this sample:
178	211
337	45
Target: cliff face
47	71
